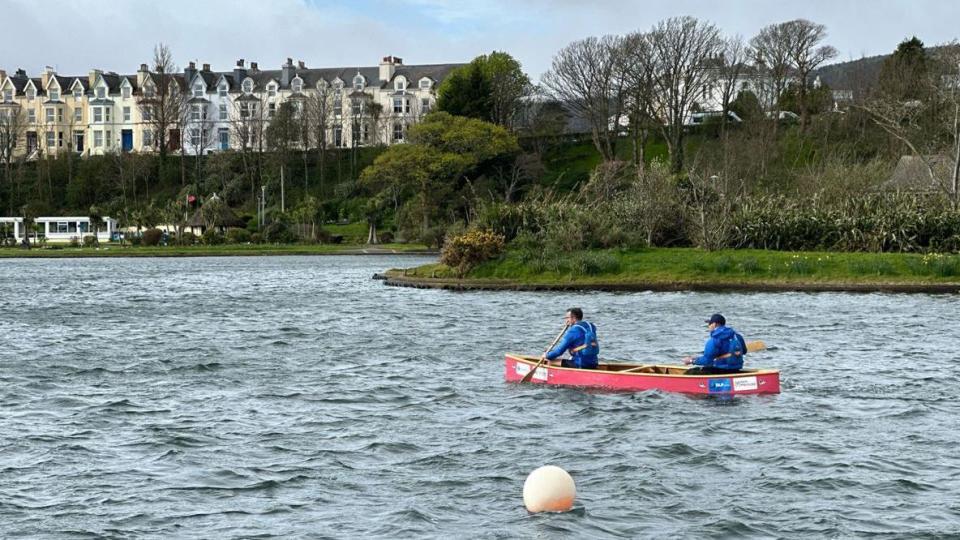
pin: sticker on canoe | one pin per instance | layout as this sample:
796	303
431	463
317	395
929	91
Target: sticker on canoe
523	369
741	384
719	385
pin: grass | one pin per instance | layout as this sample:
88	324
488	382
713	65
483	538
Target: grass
113	250
688	265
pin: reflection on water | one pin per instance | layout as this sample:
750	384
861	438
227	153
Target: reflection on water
295	396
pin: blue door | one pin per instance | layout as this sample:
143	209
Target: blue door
126	140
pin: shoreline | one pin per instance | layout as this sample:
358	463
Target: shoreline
395	278
210	251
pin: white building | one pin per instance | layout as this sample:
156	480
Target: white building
61	229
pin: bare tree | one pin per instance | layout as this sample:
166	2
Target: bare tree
585	77
249	126
730	71
806	55
161	101
771	51
637	69
319	107
680	48
13	126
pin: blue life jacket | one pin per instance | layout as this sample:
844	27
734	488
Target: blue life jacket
581	340
723	350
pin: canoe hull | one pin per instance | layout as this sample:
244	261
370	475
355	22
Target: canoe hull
644	377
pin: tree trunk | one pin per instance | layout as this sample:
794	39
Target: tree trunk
372	233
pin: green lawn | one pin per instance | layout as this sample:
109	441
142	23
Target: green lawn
113	250
688	265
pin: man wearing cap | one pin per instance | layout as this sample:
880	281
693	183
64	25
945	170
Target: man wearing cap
723	351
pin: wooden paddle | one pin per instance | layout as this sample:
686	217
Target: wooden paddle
529	375
752	346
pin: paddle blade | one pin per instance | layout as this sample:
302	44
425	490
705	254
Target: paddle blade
754	346
529	375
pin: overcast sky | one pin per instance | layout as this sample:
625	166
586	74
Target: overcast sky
75	36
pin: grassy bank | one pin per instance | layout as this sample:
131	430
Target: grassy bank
212	251
694	268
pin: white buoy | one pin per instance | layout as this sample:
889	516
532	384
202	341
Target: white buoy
549	489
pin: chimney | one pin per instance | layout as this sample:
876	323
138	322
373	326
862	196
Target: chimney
3	75
92	76
21	73
387	68
48	72
286	74
206	67
239	72
142	75
301	65
190	71
253	66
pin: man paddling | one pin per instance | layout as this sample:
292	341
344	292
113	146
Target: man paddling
722	353
580	339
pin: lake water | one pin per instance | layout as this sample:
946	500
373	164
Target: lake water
295	397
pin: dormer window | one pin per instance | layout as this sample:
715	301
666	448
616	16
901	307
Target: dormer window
338	85
297	85
198	90
400	84
272	90
358	82
125	92
222	90
425	83
247	86
77	93
54	94
7	95
31	94
101	92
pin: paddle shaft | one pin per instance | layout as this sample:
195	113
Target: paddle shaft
752	346
529	375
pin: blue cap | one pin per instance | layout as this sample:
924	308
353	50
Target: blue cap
716	318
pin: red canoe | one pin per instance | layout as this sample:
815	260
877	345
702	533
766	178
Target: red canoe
645	377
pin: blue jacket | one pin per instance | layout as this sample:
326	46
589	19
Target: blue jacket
575	337
723	341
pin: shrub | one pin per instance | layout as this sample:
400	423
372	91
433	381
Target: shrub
151	237
136	240
386	237
236	235
74	242
90	241
212	237
279	233
467	250
256	238
188	239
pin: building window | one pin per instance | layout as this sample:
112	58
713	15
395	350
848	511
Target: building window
271	91
338	136
297	85
424	84
271	110
108	138
97	115
149	91
244	110
51	139
8	96
195	113
198	90
147	138
77	114
106	114
126	114
49	112
31	94
337	106
398	105
32	116
400	84
358	82
78	93
126	92
425	105
60	114
195	137
364	132
223	111
59	138
147	114
356	107
247	86
397	132
101	93
54	94
98	139
222	90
